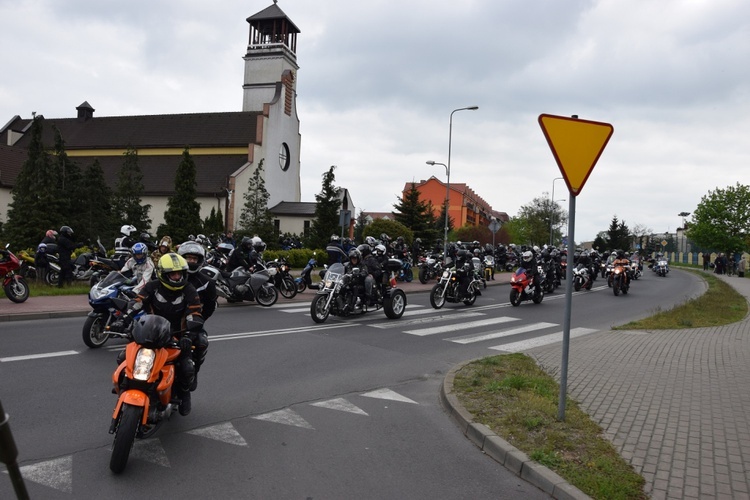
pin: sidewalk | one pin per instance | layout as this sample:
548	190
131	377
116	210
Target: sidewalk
63	306
675	403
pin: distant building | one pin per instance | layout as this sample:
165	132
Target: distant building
465	205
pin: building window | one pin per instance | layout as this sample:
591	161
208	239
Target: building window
284	157
306	228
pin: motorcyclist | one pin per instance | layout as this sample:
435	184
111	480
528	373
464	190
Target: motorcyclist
528	261
416	251
195	256
65	248
335	251
124	243
245	255
374	271
139	267
358	278
165	246
174	298
623	260
399	248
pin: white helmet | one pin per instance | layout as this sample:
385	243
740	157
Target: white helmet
527	256
380	249
127	229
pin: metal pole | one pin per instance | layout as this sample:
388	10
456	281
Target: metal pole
8	455
568	308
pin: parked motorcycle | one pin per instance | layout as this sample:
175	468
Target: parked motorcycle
405	273
340	295
14	285
582	278
522	288
447	287
305	279
282	279
241	285
620	280
430	267
109	302
143	384
28	267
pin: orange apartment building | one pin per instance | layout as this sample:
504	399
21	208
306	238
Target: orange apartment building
465	205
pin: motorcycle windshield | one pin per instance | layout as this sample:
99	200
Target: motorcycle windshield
113	278
334	274
520	271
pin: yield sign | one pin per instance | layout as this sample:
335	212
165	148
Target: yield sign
576	145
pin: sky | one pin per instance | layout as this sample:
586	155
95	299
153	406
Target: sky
379	80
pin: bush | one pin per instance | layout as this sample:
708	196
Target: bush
297	257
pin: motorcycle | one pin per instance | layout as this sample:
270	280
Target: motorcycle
14	285
28	267
476	264
305	280
109	302
241	285
635	270
101	265
620	279
661	267
143	384
429	267
339	293
489	268
522	288
405	273
447	287
582	278
282	279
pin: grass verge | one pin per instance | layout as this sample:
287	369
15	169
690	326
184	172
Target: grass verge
518	400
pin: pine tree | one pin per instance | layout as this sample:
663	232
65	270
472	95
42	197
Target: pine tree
255	217
95	205
183	215
34	207
214	223
70	188
128	193
327	206
412	212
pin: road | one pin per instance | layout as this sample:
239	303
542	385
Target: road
286	408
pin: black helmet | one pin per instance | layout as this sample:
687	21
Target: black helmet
66	231
364	249
247	243
355	254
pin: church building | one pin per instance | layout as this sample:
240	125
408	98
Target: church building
226	147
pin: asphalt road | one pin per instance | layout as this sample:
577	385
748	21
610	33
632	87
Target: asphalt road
287	408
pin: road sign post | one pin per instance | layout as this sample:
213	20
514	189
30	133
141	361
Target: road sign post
576	145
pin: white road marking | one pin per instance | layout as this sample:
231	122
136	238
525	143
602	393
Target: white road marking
295	309
388	394
504	333
38	356
524	345
221	432
286	417
460	326
340	404
57	473
151	451
429	319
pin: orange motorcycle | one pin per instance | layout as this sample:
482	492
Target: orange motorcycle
143	383
619	277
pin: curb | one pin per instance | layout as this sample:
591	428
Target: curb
500	450
42	315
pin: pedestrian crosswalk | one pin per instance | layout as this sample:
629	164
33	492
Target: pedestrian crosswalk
479	327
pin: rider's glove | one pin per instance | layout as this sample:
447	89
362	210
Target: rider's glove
186	345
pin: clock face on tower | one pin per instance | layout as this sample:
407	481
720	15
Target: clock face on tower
284	157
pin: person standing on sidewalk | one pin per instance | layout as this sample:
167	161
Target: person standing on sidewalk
65	248
741	267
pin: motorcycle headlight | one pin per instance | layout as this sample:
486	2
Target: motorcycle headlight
97	293
446	274
144	363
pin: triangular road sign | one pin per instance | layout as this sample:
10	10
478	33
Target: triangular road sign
576	145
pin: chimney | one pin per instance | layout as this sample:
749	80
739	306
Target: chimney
85	111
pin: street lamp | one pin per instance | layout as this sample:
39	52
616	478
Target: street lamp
448	173
684	239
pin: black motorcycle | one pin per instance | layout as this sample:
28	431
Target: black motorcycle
241	284
447	288
342	294
430	267
282	278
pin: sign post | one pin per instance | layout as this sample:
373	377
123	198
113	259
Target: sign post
576	145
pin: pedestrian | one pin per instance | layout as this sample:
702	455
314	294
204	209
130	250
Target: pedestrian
41	262
741	267
165	246
706	260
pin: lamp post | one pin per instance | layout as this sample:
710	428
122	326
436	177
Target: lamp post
448	173
684	239
551	215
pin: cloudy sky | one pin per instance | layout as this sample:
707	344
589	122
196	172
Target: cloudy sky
378	81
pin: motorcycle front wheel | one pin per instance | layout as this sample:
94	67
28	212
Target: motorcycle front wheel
395	305
577	285
52	277
301	286
423	275
267	295
437	299
94	334
409	275
318	308
288	288
125	436
616	287
515	297
17	290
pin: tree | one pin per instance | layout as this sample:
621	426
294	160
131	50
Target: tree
722	220
640	233
537	220
95	205
440	222
183	215
255	217
327	205
129	190
411	211
618	235
70	189
34	208
392	228
214	223
359	226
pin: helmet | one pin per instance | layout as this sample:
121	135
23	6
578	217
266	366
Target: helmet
246	243
418	240
334	237
152	331
364	250
172	263
140	252
355	254
195	250
380	249
127	229
258	244
384	237
51	233
400	239
145	237
527	256
537	249
477	252
371	241
166	241
66	231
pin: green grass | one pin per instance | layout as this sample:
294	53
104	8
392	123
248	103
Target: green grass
518	400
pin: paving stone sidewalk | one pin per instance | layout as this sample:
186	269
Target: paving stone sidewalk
676	403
